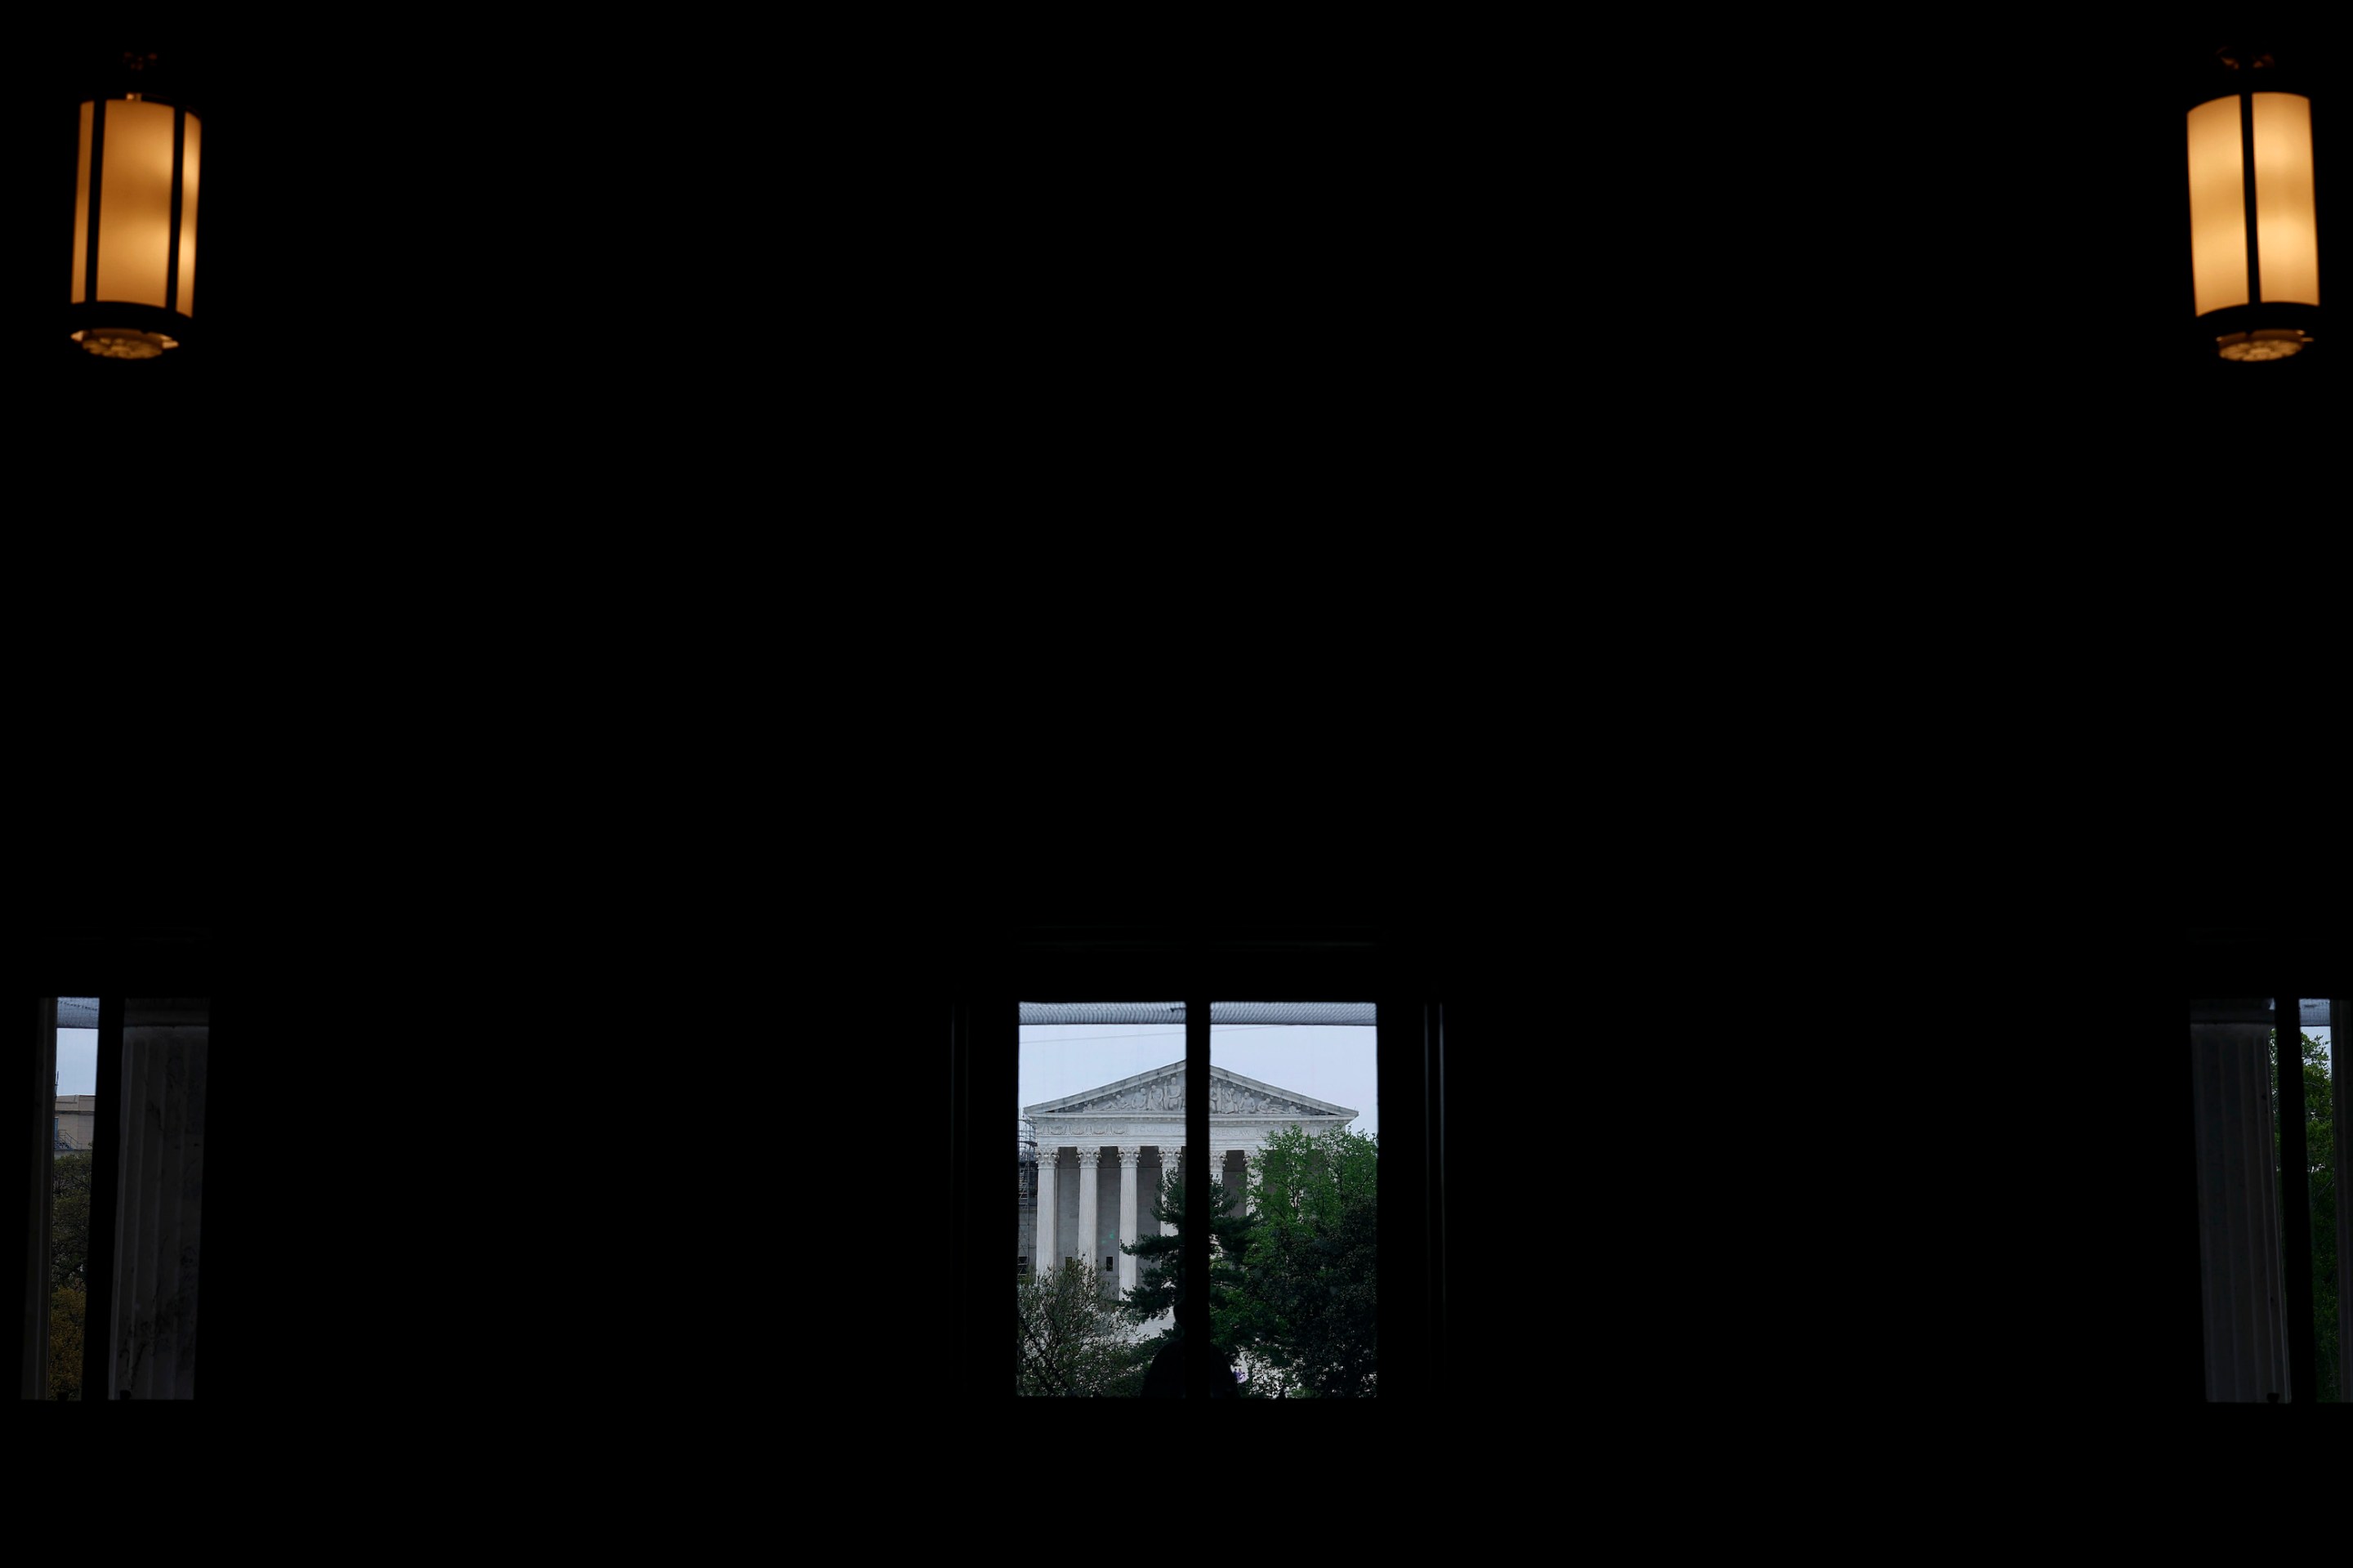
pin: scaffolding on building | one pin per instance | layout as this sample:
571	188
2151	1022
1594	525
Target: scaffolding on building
1028	1167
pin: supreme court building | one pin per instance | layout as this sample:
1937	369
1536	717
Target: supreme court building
1100	1154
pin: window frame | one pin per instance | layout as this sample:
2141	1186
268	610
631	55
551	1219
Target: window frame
2227	961
1354	965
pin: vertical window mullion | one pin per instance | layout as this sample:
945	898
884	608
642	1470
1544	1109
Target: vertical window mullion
1434	1157
105	1193
1193	1311
35	1349
2295	1203
2338	1085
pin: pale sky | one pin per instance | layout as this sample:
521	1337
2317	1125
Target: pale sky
77	1061
1333	1063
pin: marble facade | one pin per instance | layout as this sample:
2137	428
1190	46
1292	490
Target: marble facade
76	1121
1101	1153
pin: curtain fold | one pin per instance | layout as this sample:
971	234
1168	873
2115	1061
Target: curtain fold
30	1307
161	1148
2238	1214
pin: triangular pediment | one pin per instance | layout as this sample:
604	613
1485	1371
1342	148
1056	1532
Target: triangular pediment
1162	1091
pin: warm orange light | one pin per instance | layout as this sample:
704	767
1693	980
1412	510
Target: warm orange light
81	208
133	160
190	156
2256	347
2287	251
134	203
2217	207
2287	239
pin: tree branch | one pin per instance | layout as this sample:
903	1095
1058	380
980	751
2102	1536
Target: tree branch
1044	1359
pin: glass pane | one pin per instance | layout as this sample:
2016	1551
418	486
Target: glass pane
2341	1282
1295	1139
2320	1156
73	1139
1101	1117
2321	1176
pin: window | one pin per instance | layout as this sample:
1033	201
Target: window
1037	962
113	1204
74	1148
2271	1232
1298	1088
1107	1107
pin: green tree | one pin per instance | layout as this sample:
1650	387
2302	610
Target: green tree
70	1179
1071	1341
68	1305
2320	1151
1304	1304
1160	1266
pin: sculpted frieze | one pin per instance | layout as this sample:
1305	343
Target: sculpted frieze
1159	1094
1232	1099
1148	1111
1108	1129
1166	1096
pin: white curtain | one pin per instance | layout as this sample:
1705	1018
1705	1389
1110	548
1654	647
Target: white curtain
2238	1215
40	1080
158	1226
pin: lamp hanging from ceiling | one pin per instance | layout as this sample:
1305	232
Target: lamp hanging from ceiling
134	237
2255	231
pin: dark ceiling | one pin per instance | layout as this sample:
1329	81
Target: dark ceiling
388	219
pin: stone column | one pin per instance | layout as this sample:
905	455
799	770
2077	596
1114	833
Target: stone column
1089	1158
1172	1159
1172	1162
1130	1154
1045	1256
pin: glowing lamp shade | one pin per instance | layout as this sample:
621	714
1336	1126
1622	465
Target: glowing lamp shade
135	234
2250	174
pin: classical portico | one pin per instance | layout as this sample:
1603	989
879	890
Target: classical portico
1102	1152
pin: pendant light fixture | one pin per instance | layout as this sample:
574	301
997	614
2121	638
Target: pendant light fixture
2254	231
136	182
